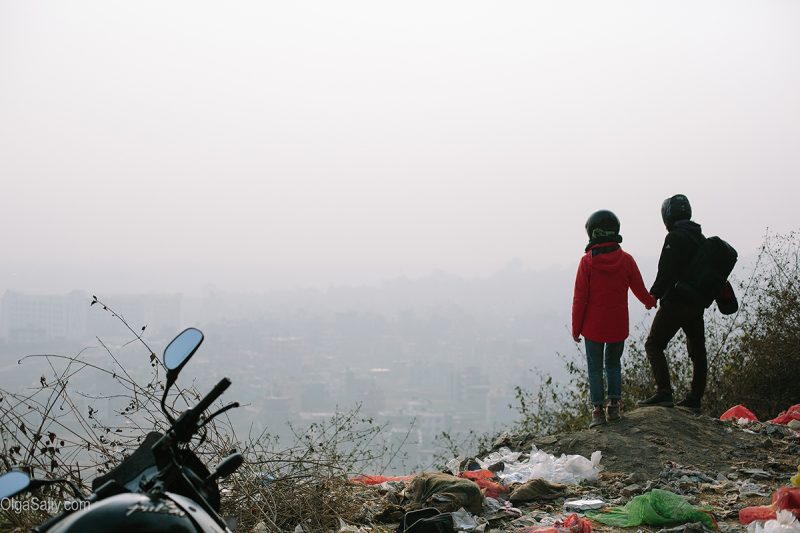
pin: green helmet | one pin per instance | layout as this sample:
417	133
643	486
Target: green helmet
602	223
675	208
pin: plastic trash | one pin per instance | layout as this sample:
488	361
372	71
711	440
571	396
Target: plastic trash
567	469
485	480
463	520
792	413
655	508
583	505
503	455
785	522
571	524
785	498
454	465
796	478
739	412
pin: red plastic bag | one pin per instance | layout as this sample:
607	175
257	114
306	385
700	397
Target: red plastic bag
737	412
787	498
792	413
572	524
485	480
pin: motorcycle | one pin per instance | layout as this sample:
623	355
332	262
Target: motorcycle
163	485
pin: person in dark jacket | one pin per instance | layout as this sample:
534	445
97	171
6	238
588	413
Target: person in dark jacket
600	309
676	310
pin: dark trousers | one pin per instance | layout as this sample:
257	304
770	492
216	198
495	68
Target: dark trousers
671	317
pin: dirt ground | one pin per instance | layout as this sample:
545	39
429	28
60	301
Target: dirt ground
645	439
712	463
717	465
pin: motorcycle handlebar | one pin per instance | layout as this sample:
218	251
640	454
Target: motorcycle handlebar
187	424
206	402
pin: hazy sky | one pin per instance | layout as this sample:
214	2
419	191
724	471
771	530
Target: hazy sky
164	145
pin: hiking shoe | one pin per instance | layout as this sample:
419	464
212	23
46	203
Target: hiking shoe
598	417
690	402
612	412
664	399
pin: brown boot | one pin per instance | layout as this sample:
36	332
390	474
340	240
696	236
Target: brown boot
598	416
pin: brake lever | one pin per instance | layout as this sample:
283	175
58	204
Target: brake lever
218	412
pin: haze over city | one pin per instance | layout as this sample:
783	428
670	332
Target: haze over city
362	186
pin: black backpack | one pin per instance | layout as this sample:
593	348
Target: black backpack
707	273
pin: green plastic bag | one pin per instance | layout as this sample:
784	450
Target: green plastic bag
654	508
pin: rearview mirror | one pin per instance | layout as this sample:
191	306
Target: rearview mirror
176	354
12	483
182	347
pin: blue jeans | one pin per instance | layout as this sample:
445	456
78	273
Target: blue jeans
594	357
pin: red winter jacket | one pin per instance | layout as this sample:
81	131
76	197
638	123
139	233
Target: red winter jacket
600	303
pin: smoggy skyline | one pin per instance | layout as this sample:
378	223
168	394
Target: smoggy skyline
256	146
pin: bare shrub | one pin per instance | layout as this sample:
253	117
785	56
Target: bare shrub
55	431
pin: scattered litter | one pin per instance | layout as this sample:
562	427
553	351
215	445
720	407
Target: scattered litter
537	490
503	455
494	509
748	488
784	522
568	469
792	413
485	480
444	492
583	505
463	520
571	524
655	508
796	478
785	498
740	413
454	465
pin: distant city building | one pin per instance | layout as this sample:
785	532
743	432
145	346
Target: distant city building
37	318
31	318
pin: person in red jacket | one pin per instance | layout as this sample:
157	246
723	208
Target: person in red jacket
600	309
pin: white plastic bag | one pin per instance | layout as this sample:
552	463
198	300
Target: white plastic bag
785	522
463	520
568	469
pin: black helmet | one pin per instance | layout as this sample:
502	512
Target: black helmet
602	223
674	209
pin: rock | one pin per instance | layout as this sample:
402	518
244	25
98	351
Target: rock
631	489
748	488
777	429
756	473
